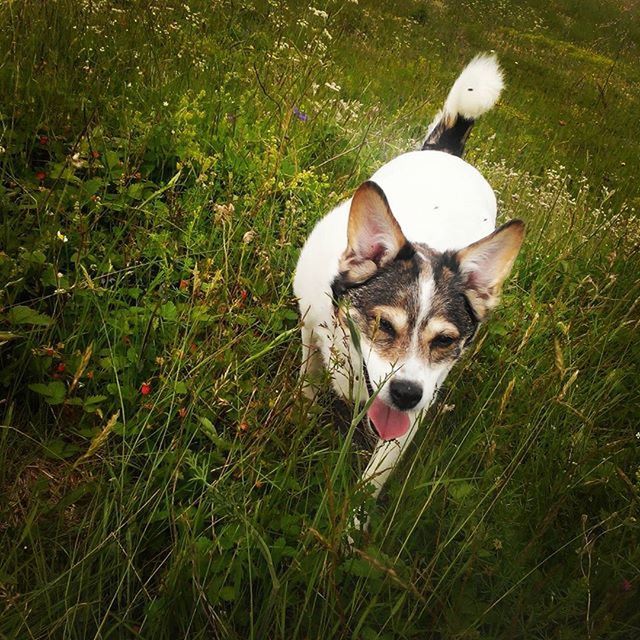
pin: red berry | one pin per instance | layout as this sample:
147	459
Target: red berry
41	175
145	389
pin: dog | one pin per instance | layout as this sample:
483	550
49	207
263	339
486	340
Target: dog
393	284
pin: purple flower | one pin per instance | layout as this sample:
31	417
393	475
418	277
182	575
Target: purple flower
301	115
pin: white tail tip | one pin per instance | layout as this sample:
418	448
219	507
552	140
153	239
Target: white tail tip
476	90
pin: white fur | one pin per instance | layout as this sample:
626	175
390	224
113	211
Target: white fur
483	76
437	199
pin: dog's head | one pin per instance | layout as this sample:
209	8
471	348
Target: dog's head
415	309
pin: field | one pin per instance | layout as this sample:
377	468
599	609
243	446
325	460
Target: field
161	163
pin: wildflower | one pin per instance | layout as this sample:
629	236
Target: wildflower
77	161
319	12
243	294
41	175
165	104
301	115
223	212
332	85
248	236
61	236
145	388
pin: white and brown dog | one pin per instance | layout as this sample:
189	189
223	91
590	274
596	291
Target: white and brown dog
393	283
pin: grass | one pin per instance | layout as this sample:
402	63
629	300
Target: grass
160	475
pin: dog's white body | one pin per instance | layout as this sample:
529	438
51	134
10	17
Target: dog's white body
438	200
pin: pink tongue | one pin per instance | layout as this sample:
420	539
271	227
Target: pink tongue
389	423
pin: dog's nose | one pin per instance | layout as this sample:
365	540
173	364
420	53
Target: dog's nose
405	394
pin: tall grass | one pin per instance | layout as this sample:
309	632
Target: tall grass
160	474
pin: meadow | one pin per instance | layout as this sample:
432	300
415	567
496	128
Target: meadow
161	476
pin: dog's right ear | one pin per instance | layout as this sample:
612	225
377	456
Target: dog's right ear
374	235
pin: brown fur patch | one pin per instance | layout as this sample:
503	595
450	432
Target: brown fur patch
458	303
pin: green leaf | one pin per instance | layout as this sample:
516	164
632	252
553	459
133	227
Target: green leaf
361	568
74	495
91	187
53	392
91	403
111	159
228	594
460	490
26	315
135	190
58	448
211	433
498	329
168	311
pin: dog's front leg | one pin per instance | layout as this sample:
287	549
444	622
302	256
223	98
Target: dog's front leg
386	456
312	364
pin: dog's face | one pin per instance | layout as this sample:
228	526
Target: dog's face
415	309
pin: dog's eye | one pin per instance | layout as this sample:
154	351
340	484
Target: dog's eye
442	341
386	327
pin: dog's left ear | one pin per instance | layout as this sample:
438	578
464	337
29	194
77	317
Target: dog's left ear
485	264
374	235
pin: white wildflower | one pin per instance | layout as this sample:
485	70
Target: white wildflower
319	12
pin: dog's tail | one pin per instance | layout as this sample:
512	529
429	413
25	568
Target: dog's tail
475	91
